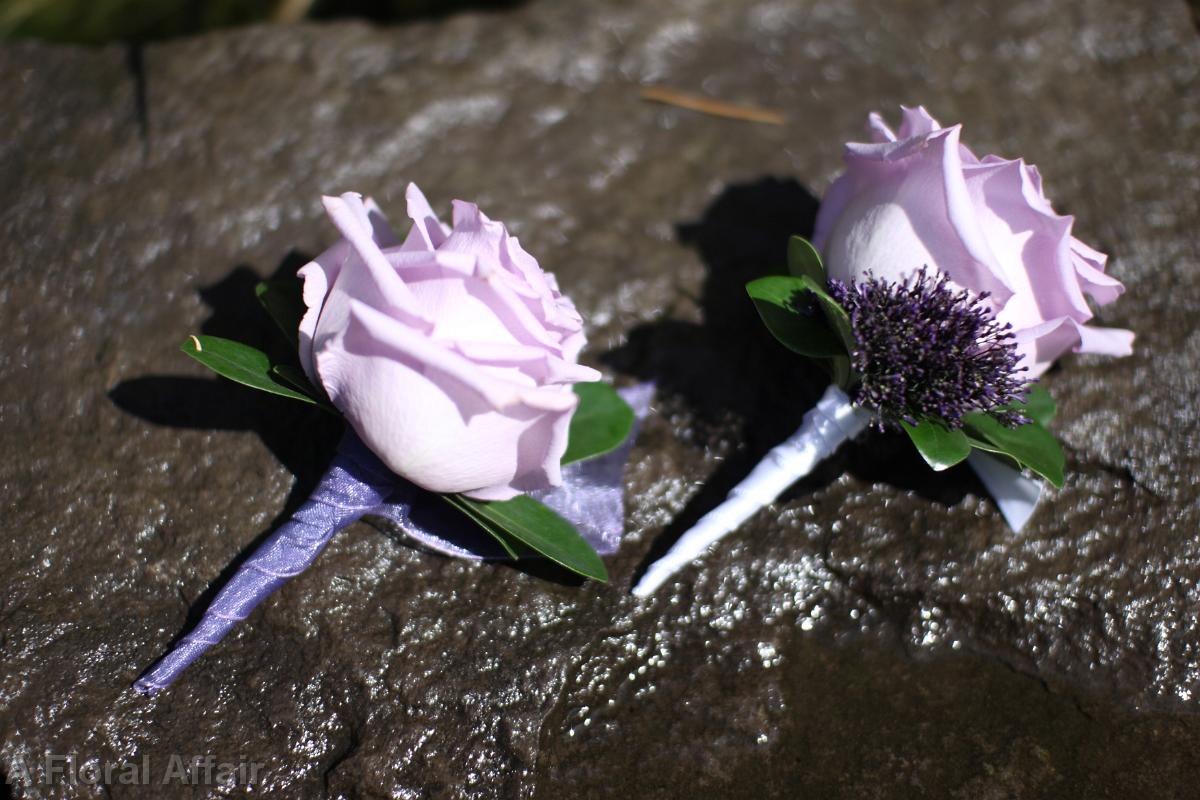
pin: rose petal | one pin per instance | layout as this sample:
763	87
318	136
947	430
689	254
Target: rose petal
432	416
1031	244
539	460
916	122
496	292
516	260
879	129
1105	341
833	206
417	265
318	275
428	232
535	362
459	313
572	345
474	233
381	231
1041	345
369	277
406	343
1089	266
909	207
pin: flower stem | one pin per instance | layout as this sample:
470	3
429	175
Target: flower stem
834	421
355	484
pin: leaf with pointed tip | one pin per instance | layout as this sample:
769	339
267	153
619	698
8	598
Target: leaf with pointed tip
941	447
538	527
997	453
601	423
836	315
295	377
775	300
840	371
511	546
1030	445
284	303
803	259
1038	406
240	363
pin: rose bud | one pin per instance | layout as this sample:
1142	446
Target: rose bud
452	354
919	198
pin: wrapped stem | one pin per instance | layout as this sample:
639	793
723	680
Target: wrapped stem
833	421
355	484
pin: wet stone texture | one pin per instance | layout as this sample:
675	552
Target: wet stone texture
877	633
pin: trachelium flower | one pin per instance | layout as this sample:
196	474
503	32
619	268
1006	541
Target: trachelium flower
926	351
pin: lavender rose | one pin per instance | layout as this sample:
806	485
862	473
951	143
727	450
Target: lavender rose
451	354
920	198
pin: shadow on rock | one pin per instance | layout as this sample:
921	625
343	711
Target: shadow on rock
220	404
729	368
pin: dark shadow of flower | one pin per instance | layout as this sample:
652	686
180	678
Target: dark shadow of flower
301	437
214	403
730	368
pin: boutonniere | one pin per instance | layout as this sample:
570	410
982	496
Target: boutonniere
938	287
453	359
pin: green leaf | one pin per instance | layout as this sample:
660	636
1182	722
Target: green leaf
988	447
840	372
295	377
600	424
539	528
284	302
774	298
1030	445
1038	406
240	363
514	548
836	315
941	447
803	259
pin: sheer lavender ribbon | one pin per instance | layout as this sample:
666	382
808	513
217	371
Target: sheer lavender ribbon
358	484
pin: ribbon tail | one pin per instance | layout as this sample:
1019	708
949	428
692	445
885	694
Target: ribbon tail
432	523
834	421
353	485
592	494
1014	494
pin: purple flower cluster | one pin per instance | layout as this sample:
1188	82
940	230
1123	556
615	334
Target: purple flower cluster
924	350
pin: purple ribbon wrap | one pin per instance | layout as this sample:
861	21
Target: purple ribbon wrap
358	484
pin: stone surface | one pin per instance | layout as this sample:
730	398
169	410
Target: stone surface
879	633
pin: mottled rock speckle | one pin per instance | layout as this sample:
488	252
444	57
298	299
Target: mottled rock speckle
878	633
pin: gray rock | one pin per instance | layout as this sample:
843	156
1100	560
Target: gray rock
878	633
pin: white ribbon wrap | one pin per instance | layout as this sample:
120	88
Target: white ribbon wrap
1014	494
825	428
833	422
